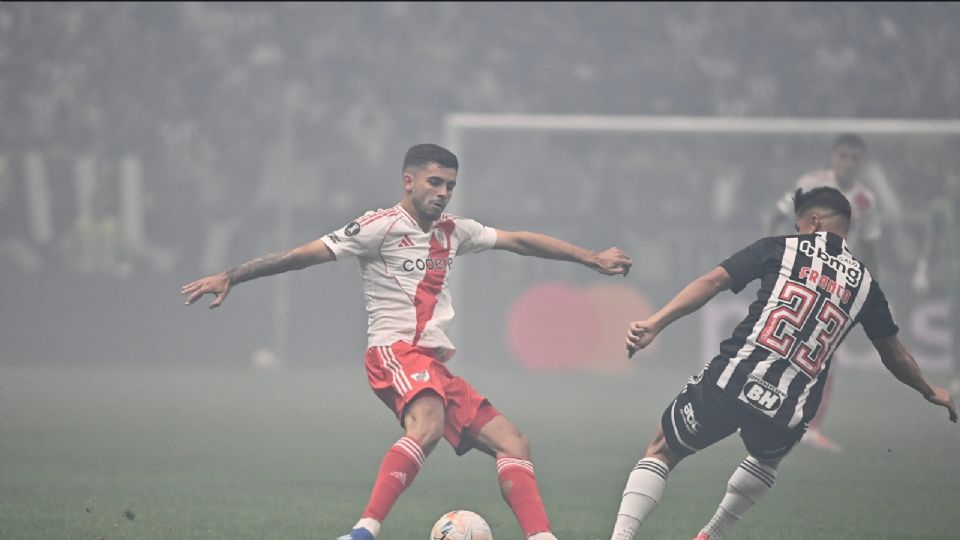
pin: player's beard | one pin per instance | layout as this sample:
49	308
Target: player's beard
430	211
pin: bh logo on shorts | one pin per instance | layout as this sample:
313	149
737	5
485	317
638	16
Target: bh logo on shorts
762	395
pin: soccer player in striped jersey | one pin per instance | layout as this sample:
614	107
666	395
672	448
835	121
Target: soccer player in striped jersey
406	254
864	236
768	378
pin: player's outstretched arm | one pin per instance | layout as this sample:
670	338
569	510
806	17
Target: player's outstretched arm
611	261
901	363
641	333
219	285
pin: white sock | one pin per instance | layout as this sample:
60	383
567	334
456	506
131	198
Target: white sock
542	536
369	524
720	523
748	483
644	490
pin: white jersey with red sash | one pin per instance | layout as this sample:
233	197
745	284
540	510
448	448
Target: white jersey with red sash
405	272
865	215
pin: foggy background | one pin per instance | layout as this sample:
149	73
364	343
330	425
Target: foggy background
144	146
147	145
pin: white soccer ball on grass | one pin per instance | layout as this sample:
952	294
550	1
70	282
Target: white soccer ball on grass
461	525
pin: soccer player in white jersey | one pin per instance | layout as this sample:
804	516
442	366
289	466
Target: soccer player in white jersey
767	379
406	254
843	174
845	160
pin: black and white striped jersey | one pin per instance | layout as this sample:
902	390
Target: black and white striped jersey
812	293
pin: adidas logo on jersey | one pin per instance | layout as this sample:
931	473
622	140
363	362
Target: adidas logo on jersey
405	242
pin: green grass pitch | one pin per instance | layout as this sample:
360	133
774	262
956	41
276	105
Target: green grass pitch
191	453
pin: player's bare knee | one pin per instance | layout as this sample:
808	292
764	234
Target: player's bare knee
517	446
425	426
773	463
659	449
424	420
669	457
510	445
427	433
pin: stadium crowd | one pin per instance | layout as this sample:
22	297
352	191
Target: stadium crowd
213	102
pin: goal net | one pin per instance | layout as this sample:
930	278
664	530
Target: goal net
679	194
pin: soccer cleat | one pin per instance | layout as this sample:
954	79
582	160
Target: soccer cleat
702	536
814	439
357	534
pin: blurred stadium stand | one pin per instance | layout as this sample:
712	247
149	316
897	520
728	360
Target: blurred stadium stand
147	144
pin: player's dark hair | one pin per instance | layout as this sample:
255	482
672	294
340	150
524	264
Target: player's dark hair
822	197
420	155
850	139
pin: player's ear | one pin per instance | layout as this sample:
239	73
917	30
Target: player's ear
407	181
817	221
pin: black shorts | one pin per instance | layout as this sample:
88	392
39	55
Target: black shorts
703	414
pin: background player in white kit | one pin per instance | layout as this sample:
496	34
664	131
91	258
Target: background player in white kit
405	253
843	174
769	376
864	236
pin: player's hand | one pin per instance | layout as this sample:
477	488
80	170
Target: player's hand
639	335
217	284
943	398
613	261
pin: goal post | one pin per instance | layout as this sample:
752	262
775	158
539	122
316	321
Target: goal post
457	123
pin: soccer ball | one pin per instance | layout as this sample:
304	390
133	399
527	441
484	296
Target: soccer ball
461	525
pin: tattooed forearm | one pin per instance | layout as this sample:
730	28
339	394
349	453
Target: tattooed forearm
273	263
